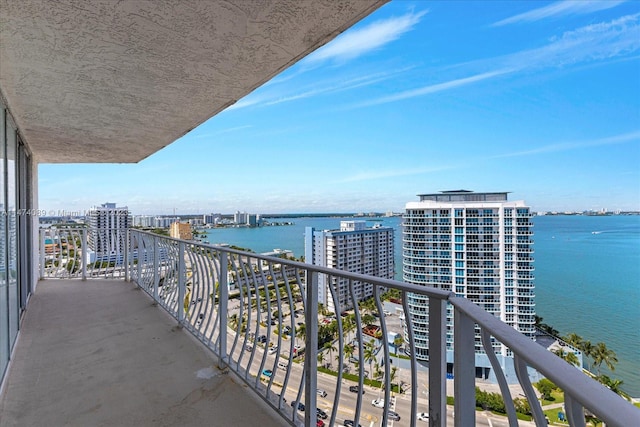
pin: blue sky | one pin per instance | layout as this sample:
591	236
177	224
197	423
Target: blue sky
541	99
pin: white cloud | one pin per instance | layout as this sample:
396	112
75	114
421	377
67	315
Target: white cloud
600	41
566	146
355	43
561	8
596	42
426	90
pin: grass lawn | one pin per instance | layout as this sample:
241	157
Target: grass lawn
557	396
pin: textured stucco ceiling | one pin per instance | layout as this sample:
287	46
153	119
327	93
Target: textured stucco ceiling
115	81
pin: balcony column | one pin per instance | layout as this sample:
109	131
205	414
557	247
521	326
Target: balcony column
127	254
156	268
83	240
223	289
42	259
437	361
311	348
182	281
464	370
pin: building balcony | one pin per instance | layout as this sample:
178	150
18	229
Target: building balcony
180	332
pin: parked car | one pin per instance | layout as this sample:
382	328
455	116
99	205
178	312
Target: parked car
319	423
273	350
322	393
267	372
350	423
355	389
262	339
300	406
394	416
423	416
248	348
379	403
321	414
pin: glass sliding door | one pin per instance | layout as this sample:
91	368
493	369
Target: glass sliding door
12	232
5	343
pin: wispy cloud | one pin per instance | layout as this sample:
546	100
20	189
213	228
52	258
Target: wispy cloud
371	175
223	131
596	42
319	88
355	43
575	145
426	90
561	8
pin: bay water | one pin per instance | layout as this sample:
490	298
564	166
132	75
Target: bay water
587	271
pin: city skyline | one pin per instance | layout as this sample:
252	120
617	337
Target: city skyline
541	99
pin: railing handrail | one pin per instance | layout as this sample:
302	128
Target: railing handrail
580	390
588	392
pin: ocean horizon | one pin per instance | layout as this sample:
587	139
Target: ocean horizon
587	274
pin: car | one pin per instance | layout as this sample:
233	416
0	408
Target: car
248	348
267	372
394	416
350	423
321	414
355	389
262	339
322	393
273	350
319	423
379	403
300	406
423	416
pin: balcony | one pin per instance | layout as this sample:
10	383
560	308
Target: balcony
237	313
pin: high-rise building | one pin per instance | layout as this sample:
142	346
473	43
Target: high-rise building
478	245
355	248
108	226
181	230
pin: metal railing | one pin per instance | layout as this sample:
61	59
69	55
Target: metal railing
260	316
65	252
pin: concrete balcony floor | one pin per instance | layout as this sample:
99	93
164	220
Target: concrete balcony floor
98	353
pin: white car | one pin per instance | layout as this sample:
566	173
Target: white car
379	403
273	350
423	416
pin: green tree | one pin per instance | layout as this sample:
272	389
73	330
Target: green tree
369	354
567	356
545	387
601	354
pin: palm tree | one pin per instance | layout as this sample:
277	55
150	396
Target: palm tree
329	346
320	358
567	356
587	351
369	355
602	354
233	321
348	351
301	331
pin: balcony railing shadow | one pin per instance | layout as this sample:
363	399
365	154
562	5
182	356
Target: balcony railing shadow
260	316
98	353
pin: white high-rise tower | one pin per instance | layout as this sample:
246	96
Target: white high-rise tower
478	245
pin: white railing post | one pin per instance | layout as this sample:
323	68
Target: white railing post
140	261
223	286
464	370
156	268
42	259
182	282
437	361
83	240
311	348
127	254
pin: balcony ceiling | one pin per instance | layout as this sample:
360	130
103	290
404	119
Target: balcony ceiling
115	81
